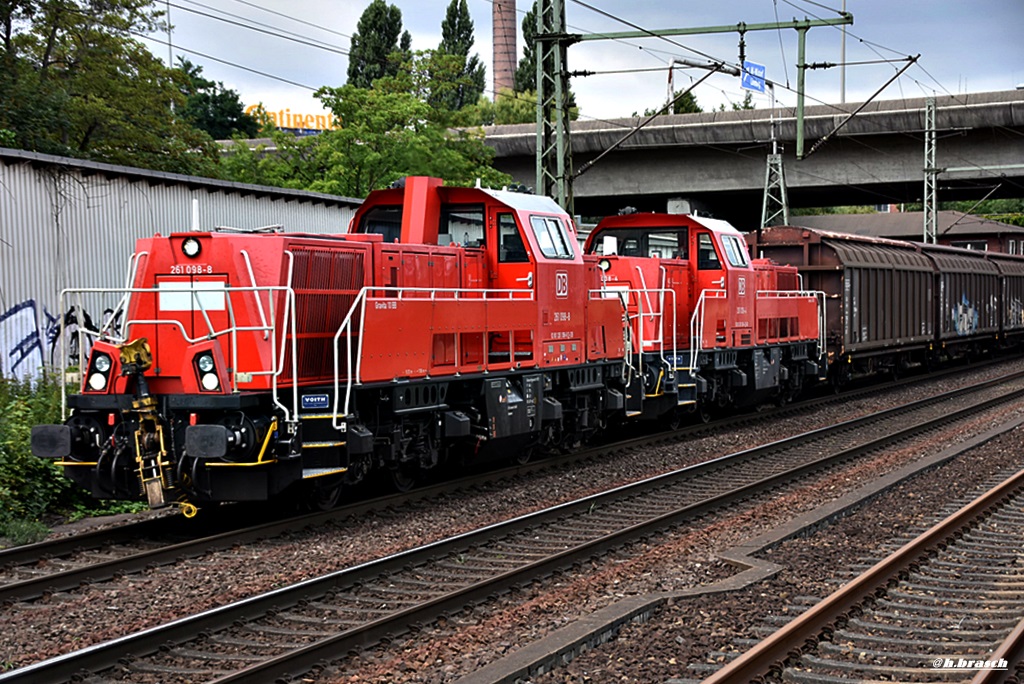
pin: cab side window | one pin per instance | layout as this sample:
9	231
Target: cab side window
551	237
384	220
462	224
735	251
511	249
707	259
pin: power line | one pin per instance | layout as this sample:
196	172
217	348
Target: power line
257	29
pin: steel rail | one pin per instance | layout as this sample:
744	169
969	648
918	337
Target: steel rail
1011	650
788	640
104	655
69	579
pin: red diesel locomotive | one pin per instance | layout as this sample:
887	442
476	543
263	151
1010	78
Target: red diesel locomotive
449	325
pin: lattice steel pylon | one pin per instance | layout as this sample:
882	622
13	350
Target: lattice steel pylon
931	173
554	153
775	208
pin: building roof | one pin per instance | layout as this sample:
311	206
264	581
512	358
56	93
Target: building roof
907	225
11	156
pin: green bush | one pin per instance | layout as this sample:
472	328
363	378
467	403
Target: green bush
33	489
30	487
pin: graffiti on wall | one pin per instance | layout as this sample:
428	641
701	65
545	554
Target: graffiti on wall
29	341
21	347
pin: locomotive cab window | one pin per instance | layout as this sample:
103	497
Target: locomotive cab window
735	251
707	258
551	237
463	224
511	249
646	242
384	220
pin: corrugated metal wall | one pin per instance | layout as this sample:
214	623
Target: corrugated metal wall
65	223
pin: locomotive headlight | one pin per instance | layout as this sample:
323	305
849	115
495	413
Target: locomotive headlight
191	247
97	382
101	363
210	381
604	264
205	363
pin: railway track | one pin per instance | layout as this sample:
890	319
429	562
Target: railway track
295	628
36	570
946	606
30	572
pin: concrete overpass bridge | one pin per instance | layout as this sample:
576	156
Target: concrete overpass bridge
717	160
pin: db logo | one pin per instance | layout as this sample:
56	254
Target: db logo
561	284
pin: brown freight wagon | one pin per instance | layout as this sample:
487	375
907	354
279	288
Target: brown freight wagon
1011	310
968	292
880	313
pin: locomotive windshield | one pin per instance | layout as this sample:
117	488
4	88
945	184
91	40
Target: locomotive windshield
664	243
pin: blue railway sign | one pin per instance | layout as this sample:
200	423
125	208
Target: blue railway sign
752	77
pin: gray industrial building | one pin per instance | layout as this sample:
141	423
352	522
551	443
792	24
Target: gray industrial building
72	223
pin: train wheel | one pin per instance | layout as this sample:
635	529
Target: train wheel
522	456
703	412
325	495
403	479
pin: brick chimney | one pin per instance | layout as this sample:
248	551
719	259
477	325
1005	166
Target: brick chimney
504	21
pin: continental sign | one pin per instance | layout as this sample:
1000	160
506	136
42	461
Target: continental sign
287	119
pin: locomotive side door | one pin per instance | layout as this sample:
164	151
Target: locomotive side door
511	269
511	266
709	281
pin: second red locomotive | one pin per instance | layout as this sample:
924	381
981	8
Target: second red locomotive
448	325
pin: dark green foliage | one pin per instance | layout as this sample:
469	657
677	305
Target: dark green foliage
687	104
525	78
456	41
76	82
33	489
388	133
376	51
212	108
29	486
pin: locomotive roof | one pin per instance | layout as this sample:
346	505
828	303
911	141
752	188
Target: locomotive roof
525	202
663	220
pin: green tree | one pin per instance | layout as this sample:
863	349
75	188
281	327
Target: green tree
525	78
375	43
687	104
747	104
457	41
213	108
76	82
388	133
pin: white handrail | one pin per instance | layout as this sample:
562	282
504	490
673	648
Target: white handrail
354	361
697	325
232	329
820	299
252	279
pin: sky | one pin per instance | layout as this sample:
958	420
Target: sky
965	46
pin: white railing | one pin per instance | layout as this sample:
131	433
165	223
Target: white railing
818	295
354	357
697	324
197	295
656	315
